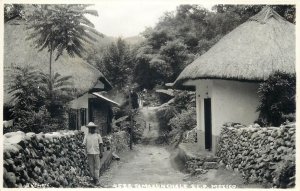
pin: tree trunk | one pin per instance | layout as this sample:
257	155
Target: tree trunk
50	83
50	63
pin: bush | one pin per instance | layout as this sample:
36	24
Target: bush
184	100
285	173
185	121
164	115
40	102
277	99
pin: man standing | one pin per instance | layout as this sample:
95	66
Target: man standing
93	142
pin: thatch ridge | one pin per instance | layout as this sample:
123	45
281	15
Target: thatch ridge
251	52
18	51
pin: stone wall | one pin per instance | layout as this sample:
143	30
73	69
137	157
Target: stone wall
43	160
194	160
55	159
261	154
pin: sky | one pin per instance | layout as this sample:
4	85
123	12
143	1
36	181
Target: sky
128	18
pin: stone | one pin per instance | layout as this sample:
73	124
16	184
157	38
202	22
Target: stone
210	165
211	159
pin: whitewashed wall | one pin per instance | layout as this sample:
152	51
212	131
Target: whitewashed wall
233	101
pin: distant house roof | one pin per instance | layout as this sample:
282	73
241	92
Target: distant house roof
105	98
169	92
251	52
19	51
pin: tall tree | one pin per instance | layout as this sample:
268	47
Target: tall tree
117	63
61	27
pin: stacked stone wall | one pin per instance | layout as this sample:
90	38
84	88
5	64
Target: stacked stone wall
261	154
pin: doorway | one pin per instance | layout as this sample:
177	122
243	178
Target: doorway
207	122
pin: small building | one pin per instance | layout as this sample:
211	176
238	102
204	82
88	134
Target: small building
226	78
92	106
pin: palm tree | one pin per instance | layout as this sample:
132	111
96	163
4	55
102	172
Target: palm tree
61	27
56	90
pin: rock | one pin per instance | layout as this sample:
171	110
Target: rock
210	165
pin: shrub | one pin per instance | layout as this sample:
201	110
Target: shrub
285	173
277	98
183	100
164	115
39	102
184	121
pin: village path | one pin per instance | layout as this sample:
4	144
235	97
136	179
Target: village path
147	163
153	164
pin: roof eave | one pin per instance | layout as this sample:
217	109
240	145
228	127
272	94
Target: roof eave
179	83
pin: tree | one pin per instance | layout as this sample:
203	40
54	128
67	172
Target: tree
28	108
175	54
56	92
277	98
117	63
185	34
61	27
36	108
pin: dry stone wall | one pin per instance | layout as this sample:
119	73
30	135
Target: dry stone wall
43	160
261	154
49	160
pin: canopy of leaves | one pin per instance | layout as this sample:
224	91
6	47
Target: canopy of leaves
117	63
61	27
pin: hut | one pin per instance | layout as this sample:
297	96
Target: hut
86	79
226	78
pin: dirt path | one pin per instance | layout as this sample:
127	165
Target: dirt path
147	163
152	164
151	131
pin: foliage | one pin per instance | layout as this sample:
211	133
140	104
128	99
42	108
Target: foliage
38	107
175	54
184	121
117	63
26	95
277	98
184	100
12	11
142	74
61	27
181	36
285	173
164	115
57	91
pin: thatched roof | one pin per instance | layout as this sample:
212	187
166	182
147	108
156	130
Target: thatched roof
251	52
19	51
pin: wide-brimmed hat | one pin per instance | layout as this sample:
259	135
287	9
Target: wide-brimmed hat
91	124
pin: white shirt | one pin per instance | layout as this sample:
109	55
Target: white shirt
92	141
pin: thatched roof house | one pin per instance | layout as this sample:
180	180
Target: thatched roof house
19	52
226	77
251	52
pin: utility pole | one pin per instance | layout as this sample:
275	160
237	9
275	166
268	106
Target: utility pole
131	121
